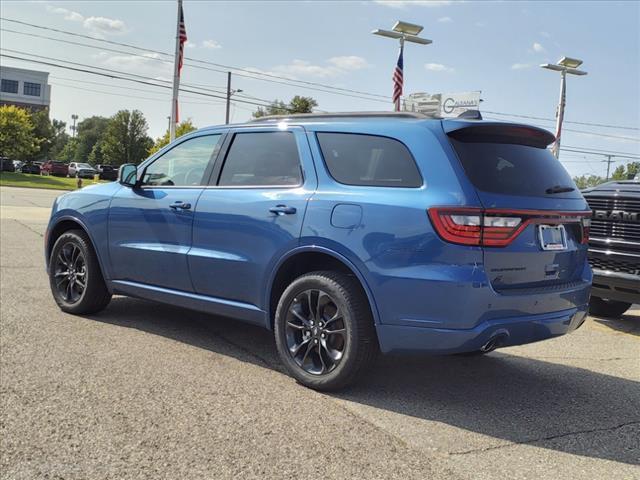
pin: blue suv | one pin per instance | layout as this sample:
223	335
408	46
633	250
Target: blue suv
345	234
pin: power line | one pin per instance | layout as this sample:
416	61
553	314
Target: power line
248	73
565	121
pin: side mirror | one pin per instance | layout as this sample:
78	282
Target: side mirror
128	175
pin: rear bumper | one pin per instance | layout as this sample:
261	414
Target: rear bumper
512	331
622	287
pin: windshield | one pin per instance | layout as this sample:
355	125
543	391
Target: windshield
84	165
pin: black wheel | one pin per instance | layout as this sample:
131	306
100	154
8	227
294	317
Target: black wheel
601	307
324	330
75	276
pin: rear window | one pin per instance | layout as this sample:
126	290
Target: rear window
510	168
371	160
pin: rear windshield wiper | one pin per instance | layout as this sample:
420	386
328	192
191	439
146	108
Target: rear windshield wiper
559	189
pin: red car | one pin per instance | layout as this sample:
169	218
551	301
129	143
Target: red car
57	169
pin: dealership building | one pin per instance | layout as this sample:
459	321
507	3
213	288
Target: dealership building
24	88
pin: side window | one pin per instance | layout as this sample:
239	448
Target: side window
355	159
262	159
183	165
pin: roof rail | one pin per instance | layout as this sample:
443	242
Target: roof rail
311	116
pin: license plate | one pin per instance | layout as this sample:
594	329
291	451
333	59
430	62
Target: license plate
552	237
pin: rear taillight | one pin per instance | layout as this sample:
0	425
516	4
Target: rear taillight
496	228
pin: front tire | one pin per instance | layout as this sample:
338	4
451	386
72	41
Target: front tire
75	277
601	307
324	330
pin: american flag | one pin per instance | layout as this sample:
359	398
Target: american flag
398	79
182	38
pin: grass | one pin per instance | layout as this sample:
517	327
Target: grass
10	179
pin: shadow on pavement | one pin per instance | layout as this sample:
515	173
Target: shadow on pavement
628	323
508	397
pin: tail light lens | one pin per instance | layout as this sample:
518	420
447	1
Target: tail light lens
496	228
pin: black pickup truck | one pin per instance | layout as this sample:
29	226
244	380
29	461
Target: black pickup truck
614	246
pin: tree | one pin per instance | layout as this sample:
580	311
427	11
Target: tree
585	181
297	104
59	139
17	138
626	172
90	131
181	129
43	132
125	139
68	152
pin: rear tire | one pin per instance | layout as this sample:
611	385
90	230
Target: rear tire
601	307
324	330
75	276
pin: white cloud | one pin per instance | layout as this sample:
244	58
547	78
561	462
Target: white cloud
537	47
68	14
520	66
349	62
212	44
104	25
190	44
419	3
445	20
150	64
437	67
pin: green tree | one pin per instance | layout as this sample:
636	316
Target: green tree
17	138
181	129
68	152
43	132
625	172
585	181
298	104
90	131
59	139
125	139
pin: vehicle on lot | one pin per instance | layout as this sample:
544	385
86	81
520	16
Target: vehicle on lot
17	165
81	170
57	169
31	167
7	165
107	172
614	246
344	233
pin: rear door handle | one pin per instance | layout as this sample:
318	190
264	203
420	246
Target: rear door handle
180	205
283	210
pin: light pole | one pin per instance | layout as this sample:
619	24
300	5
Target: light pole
229	94
402	31
565	65
74	117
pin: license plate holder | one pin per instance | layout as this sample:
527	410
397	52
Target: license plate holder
552	237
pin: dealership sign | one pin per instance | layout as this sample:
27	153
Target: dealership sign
442	104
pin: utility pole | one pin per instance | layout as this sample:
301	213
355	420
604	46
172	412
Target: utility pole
226	121
608	160
74	117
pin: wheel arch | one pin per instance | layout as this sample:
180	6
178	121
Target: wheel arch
307	259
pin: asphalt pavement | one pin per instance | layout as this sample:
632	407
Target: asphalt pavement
143	390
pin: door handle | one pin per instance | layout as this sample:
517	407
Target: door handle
179	205
283	210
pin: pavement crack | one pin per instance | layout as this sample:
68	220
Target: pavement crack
28	227
544	439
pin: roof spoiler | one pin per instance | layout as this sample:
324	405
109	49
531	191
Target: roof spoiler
497	132
471	115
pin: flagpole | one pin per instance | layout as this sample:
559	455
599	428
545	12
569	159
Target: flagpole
176	78
560	113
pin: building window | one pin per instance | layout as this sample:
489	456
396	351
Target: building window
9	86
32	89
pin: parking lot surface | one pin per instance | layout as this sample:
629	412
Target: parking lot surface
144	390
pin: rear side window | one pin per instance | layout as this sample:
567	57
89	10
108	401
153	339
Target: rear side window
371	160
262	159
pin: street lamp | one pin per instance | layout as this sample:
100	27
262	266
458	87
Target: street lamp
565	65
74	117
403	31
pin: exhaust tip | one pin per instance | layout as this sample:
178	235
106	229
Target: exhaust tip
494	342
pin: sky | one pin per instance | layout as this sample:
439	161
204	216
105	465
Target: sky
495	47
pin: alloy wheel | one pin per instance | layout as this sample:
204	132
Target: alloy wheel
315	332
70	272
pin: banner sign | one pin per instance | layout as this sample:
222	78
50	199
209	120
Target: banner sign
446	105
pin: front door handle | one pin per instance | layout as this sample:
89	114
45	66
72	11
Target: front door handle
283	210
179	205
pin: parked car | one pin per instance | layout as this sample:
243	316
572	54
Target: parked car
57	169
614	246
17	165
344	234
107	172
7	165
81	170
31	167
